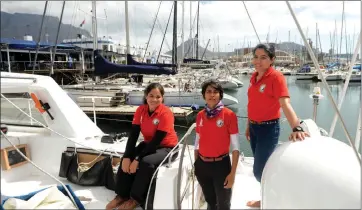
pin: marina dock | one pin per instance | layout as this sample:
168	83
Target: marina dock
131	109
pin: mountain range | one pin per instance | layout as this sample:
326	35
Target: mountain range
19	24
284	46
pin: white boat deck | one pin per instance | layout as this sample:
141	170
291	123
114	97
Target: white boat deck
99	196
245	187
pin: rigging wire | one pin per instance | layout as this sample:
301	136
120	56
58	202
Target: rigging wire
153	26
310	51
256	33
72	20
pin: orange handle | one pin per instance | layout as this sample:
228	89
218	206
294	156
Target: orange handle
37	103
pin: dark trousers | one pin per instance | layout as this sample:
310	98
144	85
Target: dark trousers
136	185
263	141
211	177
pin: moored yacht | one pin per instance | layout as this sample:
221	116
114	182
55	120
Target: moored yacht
308	174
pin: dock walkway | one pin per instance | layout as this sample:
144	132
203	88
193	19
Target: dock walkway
131	109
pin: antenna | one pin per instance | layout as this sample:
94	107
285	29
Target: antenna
47	38
27	30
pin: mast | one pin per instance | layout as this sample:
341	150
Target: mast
183	32
289	36
218	47
39	37
174	41
56	40
127	28
94	25
340	44
316	40
197	30
191	38
95	35
205	49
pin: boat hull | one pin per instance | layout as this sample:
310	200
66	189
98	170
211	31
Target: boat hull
184	99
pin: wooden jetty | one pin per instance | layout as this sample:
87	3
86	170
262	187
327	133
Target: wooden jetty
131	109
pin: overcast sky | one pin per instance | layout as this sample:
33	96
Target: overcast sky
227	20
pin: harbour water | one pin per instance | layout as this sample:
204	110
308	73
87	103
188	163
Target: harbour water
301	102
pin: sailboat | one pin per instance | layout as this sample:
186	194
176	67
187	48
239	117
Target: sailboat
196	63
42	125
308	174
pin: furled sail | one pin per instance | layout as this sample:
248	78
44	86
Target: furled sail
131	61
103	66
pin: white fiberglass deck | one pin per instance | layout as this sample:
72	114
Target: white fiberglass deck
245	187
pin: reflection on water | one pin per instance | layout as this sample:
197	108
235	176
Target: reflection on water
301	102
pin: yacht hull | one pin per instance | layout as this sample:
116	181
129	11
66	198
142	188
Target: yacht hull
184	99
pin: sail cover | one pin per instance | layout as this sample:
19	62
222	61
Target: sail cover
103	67
131	61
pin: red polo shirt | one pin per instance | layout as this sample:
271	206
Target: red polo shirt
215	132
264	95
161	119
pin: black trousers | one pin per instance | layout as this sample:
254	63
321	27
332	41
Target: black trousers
211	177
136	185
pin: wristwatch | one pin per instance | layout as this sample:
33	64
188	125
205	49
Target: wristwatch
137	158
298	129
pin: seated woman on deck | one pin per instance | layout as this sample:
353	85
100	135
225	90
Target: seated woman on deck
156	123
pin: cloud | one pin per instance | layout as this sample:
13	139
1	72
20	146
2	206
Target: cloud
227	20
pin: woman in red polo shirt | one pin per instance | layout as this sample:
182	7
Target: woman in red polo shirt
216	128
156	123
267	93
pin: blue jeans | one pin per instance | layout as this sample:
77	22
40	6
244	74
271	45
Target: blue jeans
263	140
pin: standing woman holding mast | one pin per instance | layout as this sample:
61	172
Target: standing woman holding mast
267	93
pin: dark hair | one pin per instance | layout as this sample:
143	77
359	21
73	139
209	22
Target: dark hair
268	48
213	83
150	87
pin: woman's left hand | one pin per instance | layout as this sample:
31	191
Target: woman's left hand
298	135
229	181
133	167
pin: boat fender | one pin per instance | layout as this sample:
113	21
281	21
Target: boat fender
107	139
195	107
4	128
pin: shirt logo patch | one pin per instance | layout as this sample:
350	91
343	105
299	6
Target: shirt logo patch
219	123
262	88
155	121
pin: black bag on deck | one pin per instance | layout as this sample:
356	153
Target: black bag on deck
64	163
99	173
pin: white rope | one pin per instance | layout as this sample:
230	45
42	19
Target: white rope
315	62
40	169
354	58
82	167
357	139
44	126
